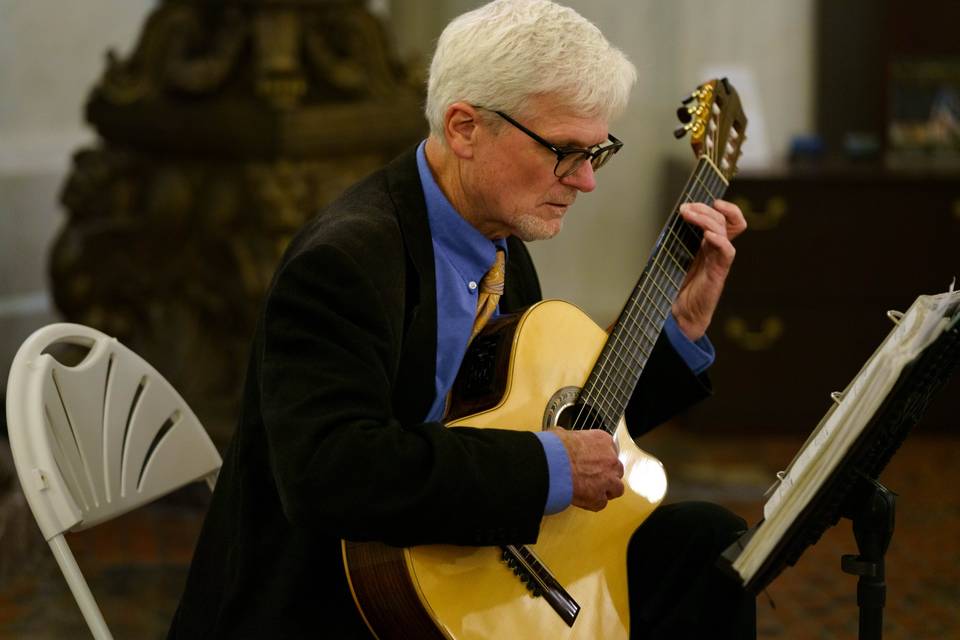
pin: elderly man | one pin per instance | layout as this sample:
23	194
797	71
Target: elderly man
366	324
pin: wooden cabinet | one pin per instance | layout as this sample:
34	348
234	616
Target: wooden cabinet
827	253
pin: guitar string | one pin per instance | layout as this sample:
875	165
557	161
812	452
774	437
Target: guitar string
598	381
655	306
660	272
603	375
602	372
657	279
623	378
647	305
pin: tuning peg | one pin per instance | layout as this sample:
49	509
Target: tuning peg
686	114
690	98
696	126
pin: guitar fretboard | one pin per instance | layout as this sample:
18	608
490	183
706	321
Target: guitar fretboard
617	370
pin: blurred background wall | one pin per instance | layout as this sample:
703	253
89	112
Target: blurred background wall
675	46
849	178
49	63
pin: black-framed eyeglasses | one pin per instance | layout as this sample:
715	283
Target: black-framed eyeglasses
569	159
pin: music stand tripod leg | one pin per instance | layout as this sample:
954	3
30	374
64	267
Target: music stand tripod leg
871	506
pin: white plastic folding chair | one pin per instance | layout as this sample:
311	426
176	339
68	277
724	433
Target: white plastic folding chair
96	439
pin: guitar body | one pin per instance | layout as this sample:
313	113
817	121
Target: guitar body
469	592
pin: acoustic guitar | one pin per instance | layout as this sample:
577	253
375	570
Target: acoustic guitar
571	584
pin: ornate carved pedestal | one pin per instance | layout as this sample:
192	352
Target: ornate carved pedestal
228	126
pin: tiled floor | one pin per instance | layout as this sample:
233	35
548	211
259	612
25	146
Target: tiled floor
136	564
815	599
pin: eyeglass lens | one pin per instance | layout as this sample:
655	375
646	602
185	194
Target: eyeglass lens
571	162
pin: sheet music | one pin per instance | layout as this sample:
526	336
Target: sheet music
926	319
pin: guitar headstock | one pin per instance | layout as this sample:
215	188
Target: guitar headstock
714	117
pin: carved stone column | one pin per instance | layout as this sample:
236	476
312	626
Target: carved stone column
227	127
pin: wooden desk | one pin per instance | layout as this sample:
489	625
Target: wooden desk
827	253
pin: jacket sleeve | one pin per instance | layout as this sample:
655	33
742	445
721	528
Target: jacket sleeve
341	460
666	387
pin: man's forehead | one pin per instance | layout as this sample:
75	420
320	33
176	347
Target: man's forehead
564	124
575	131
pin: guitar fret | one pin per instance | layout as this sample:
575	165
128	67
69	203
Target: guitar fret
659	272
682	245
647	317
636	335
707	189
620	383
642	343
613	382
624	378
655	317
637	338
689	236
666	294
617	376
689	244
632	362
673	282
677	264
656	302
680	265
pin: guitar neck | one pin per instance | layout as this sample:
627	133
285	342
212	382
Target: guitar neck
615	375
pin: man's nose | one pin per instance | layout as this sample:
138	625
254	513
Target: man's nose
582	179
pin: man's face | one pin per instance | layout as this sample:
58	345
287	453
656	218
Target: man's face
513	188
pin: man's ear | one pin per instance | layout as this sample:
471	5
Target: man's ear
460	125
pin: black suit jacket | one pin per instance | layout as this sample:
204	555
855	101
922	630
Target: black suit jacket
331	442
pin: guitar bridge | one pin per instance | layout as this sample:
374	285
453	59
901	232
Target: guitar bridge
540	582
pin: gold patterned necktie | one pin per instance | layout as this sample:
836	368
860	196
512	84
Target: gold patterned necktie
491	288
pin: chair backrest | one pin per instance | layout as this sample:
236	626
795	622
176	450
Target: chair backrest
98	438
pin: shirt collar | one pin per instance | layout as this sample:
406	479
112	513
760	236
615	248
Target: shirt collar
469	251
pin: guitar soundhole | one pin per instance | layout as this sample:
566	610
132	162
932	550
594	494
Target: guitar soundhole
579	416
564	409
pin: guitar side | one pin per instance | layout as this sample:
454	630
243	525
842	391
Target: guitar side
468	592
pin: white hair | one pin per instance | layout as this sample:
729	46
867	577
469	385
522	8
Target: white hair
508	51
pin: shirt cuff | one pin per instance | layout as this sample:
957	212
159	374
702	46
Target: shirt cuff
560	493
698	355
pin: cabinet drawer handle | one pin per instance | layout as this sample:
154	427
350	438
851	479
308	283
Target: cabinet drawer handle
768	218
770	331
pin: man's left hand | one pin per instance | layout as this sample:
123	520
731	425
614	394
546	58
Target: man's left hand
703	284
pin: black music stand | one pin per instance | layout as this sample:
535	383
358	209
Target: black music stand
852	489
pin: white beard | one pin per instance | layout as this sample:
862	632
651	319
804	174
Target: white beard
530	228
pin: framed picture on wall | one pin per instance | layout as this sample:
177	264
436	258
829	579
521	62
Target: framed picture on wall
923	124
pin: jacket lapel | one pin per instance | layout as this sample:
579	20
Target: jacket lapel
413	391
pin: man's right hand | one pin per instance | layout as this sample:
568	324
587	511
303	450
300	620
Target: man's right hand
596	470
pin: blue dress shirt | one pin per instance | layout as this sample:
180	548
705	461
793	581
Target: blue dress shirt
462	255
